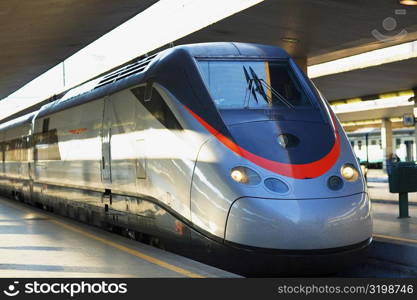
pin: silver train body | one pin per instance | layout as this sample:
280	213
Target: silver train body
152	148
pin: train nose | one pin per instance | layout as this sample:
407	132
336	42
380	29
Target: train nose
300	224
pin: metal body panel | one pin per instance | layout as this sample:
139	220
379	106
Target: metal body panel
106	136
170	157
213	190
78	132
300	224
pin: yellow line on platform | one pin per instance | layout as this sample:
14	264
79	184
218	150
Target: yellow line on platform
133	252
130	251
395	238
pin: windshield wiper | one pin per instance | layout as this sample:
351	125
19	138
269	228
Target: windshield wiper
249	87
259	87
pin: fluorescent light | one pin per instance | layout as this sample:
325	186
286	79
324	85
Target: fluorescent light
365	60
160	24
290	40
408	2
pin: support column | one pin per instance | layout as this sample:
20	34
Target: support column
414	98
386	140
302	63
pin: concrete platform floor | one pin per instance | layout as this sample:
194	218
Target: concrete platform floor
379	192
388	225
34	243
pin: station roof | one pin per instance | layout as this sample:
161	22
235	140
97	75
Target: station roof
374	109
384	78
37	35
324	30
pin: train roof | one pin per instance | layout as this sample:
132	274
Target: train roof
18	121
233	50
203	50
127	74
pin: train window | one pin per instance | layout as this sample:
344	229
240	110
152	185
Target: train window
148	90
139	92
45	125
397	143
2	152
46	146
11	150
253	84
158	108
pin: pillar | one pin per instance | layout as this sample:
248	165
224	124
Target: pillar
414	98
386	140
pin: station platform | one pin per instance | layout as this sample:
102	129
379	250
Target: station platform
393	252
395	239
387	224
34	243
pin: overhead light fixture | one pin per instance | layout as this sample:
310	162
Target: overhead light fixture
290	40
408	2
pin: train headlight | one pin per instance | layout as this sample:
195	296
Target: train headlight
349	172
245	175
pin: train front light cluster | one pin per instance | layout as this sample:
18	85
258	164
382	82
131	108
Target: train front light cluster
335	183
245	175
276	185
349	172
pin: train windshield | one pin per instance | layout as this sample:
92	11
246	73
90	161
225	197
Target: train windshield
254	85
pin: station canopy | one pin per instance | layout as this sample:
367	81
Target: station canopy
37	35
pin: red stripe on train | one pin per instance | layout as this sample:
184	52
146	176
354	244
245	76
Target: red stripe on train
298	171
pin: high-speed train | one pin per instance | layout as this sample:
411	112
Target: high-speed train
224	152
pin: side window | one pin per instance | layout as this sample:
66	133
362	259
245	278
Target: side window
46	146
25	147
157	107
45	125
397	143
2	154
139	93
46	143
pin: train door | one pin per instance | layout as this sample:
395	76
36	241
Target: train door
27	156
409	150
105	143
140	152
142	93
30	164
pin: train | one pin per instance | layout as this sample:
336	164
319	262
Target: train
371	153
222	152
